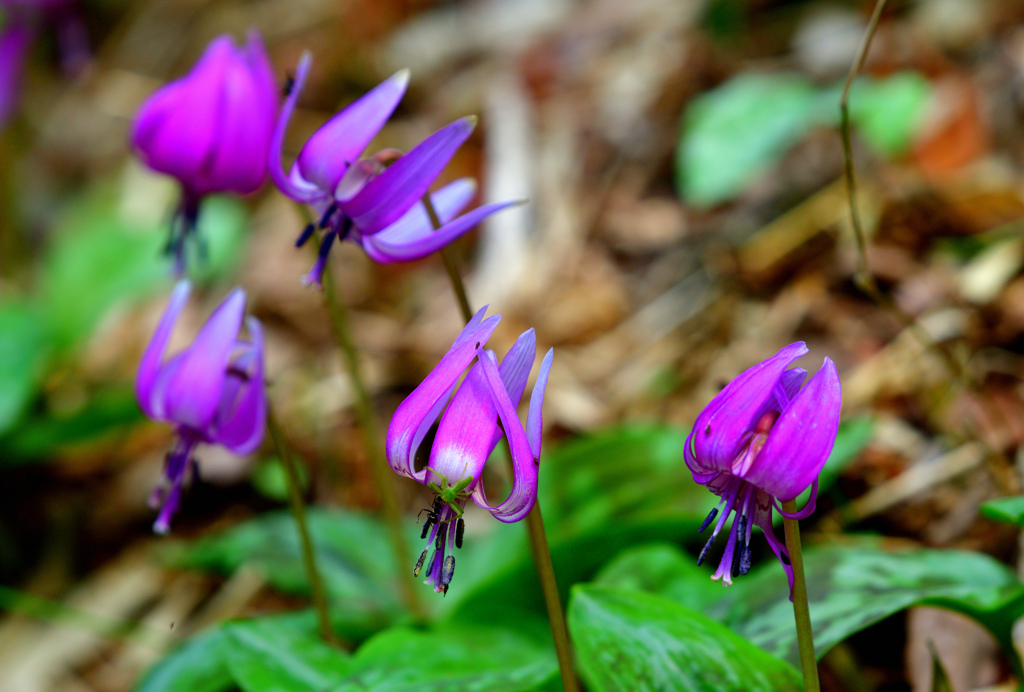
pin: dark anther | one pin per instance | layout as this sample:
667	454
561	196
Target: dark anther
439	541
704	553
447	572
744	545
325	244
326	218
785	558
426	527
419	564
344	228
460	527
305	235
711	518
737	555
289	84
744	559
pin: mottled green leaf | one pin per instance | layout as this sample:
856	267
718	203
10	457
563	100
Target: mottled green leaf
628	640
282	654
663	569
198	665
468	658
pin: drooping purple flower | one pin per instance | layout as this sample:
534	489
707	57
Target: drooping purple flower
466	436
212	392
763	440
374	201
211	129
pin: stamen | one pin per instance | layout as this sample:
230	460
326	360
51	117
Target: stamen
707	547
426	526
305	235
741	530
440	540
447	572
419	564
710	518
326	218
344	228
460	527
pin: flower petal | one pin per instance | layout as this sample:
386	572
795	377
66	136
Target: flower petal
335	146
448	202
149	366
523	495
422	240
802	438
14	43
384	200
293	185
722	425
193	392
417	413
241	427
464	435
535	418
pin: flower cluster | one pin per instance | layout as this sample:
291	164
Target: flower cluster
212	392
467	434
760	441
211	130
376	200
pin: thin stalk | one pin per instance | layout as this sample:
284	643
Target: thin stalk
801	611
382	476
534	522
298	507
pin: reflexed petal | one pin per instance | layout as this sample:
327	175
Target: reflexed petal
535	418
193	393
293	185
516	365
329	152
241	431
414	224
417	413
524	467
388	196
801	440
381	247
722	425
763	519
149	366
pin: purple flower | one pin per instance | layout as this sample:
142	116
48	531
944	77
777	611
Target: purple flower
760	441
14	42
211	392
374	201
466	436
211	129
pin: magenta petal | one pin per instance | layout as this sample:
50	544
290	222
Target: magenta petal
149	366
417	413
516	365
802	438
414	224
329	152
535	418
294	186
466	430
193	394
241	431
423	240
14	43
524	467
388	196
721	427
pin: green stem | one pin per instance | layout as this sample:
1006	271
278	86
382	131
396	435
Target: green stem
298	507
534	522
801	611
382	476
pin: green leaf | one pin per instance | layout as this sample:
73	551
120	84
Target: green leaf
198	665
281	654
627	640
222	230
739	130
270	480
1006	509
888	112
462	657
663	569
23	352
353	553
853	586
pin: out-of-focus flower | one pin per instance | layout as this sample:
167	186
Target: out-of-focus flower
211	392
14	42
466	436
374	201
760	441
211	129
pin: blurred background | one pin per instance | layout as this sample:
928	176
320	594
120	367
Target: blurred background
687	217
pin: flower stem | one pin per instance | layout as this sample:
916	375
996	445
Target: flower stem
801	611
382	476
534	522
298	508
